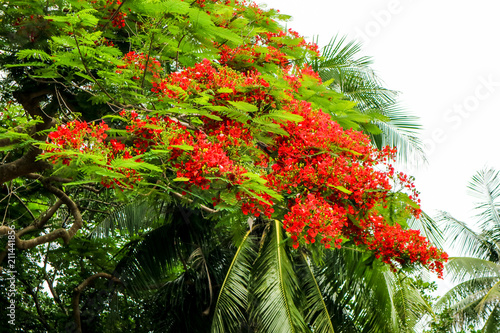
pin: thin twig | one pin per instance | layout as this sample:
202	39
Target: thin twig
147	60
84	63
24	205
113	15
78	290
203	207
177	56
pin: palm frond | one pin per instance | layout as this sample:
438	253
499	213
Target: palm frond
493	322
485	185
130	219
429	228
339	284
359	294
316	312
462	268
354	78
410	305
466	294
362	86
339	54
401	131
229	313
461	236
383	285
147	262
492	297
275	288
144	268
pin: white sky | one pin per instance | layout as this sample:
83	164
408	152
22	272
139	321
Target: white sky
444	58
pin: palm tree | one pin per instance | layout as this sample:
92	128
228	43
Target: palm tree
475	301
196	273
386	122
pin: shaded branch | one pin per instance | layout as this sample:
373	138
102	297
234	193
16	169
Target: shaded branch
24	205
36	225
66	235
78	290
54	293
203	207
28	162
23	165
33	294
40	222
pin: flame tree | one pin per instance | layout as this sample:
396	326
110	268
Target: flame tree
200	126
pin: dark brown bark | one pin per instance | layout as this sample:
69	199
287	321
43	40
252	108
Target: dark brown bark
23	165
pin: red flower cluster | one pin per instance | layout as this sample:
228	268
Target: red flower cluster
137	64
394	246
76	136
118	17
234	151
207	159
283	38
225	83
312	216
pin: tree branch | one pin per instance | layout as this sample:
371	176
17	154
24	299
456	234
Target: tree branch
203	207
33	294
78	290
23	165
28	163
66	235
40	222
36	225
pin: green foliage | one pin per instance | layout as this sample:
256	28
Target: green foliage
472	304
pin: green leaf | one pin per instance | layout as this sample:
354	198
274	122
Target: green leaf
130	163
180	179
200	19
372	128
224	90
282	115
244	106
340	188
229	198
183	147
33	54
255	177
81	182
85	76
